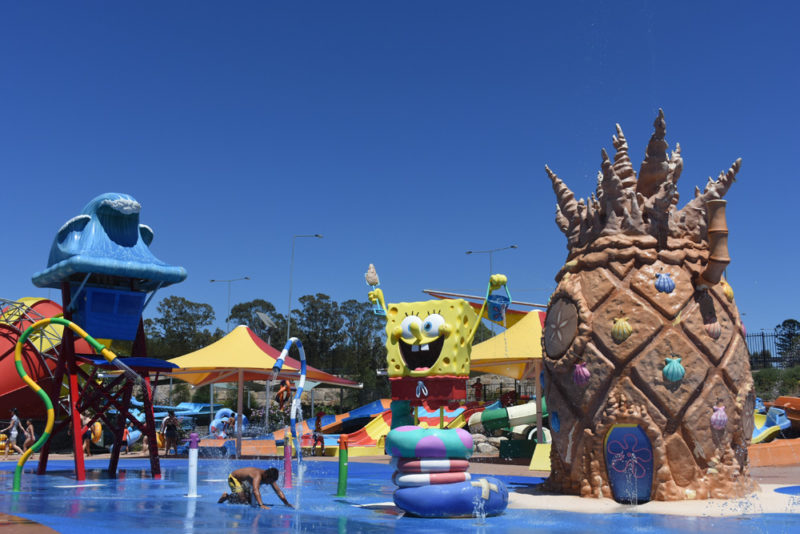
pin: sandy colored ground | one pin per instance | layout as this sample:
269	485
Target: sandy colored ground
533	498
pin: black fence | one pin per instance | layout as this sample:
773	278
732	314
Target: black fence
764	352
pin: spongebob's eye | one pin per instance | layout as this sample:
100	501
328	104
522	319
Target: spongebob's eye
432	324
406	326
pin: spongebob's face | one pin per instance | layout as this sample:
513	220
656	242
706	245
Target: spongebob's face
429	338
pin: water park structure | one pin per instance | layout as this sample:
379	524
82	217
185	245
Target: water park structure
101	262
646	369
428	359
649	395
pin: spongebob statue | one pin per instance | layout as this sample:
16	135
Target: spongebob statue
428	357
429	344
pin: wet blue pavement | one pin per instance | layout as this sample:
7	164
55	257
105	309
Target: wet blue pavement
134	502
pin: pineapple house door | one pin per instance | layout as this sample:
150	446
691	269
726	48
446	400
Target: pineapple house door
629	463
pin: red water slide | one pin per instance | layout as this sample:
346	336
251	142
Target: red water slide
39	355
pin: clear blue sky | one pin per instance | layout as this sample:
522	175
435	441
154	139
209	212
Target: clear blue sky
405	132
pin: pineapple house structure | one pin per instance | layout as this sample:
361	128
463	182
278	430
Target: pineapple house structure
647	372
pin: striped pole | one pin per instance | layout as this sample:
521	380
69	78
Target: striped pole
295	409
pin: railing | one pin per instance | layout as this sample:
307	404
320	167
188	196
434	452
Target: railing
492	392
764	352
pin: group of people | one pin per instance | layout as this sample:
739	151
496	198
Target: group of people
13	430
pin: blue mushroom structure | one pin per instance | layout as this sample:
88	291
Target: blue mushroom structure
107	239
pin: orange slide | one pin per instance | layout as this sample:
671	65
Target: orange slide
372	432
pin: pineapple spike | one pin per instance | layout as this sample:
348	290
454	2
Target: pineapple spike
566	198
656	209
676	163
622	162
613	190
599	188
655	166
637	223
561	221
693	214
716	189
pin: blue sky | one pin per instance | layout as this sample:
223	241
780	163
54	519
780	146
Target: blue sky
405	132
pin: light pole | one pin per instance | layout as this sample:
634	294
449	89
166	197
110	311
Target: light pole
291	273
490	253
227	328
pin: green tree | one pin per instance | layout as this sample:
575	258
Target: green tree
482	334
788	337
246	313
761	359
180	328
180	393
363	351
319	326
202	394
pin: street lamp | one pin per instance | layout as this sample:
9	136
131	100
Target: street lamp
291	272
490	253
227	330
227	318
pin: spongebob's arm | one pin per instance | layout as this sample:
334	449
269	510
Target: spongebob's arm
376	295
496	281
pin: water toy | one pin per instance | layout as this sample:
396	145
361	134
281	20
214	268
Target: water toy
497	418
423	479
294	411
791	407
642	282
107	354
102	263
430	465
106	238
219	427
769	425
416	442
428	359
487	496
428	346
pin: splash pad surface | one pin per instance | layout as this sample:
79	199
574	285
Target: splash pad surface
135	503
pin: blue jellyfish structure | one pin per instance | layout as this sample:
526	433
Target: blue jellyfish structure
102	263
104	256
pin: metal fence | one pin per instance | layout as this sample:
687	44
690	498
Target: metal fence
764	352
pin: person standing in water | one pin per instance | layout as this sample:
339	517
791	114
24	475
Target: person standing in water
13	429
318	437
170	429
30	436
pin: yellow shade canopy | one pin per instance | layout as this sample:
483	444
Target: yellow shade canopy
242	349
512	353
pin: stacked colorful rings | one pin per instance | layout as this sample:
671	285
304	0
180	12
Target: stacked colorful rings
431	472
